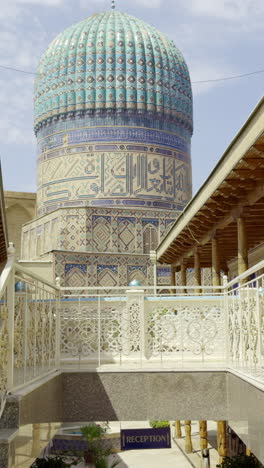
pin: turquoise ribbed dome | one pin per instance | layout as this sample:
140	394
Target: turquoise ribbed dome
108	62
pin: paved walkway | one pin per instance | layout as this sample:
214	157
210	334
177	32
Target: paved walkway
153	458
169	458
166	458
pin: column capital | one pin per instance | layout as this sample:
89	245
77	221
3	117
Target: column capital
237	212
153	256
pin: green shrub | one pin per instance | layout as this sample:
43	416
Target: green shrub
93	434
156	424
93	431
240	461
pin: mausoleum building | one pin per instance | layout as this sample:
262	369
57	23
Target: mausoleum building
113	121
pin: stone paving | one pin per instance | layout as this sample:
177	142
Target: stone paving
169	458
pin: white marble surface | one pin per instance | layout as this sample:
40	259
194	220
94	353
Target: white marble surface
246	414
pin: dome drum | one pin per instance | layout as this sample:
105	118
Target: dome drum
113	118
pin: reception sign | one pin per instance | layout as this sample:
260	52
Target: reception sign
135	439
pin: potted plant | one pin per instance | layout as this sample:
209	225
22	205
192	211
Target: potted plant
93	434
240	461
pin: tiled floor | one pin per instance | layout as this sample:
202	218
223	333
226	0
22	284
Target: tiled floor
166	458
169	458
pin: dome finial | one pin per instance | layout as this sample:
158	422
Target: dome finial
113	5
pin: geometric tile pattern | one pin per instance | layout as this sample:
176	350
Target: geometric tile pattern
96	230
112	61
136	273
206	277
101	233
107	275
75	275
126	234
106	270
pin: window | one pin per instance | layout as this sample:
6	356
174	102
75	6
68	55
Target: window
150	239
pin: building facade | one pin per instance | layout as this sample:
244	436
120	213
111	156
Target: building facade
113	121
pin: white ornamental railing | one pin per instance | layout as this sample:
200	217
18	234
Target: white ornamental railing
141	328
245	312
44	327
29	333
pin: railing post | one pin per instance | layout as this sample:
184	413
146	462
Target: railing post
136	298
58	323
260	312
11	318
226	318
153	259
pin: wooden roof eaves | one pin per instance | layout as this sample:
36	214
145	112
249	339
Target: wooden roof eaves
205	237
254	132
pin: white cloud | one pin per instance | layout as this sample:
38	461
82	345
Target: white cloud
39	2
232	10
121	4
149	3
22	40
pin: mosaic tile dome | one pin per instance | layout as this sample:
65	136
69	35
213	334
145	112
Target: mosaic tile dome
110	63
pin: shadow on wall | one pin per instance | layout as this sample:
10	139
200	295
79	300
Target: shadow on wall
119	396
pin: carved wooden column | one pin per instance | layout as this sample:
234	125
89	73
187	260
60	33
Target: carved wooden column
197	271
203	434
221	440
216	263
178	432
173	276
242	244
188	437
184	276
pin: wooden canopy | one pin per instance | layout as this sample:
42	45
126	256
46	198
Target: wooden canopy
234	189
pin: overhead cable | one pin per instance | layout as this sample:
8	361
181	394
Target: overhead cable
213	80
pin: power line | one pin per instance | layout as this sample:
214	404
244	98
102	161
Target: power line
229	77
18	70
226	78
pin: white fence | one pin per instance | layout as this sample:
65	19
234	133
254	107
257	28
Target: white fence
245	312
44	327
29	334
139	329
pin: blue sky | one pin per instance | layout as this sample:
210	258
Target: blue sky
218	38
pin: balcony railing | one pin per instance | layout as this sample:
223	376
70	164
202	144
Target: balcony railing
44	327
136	327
